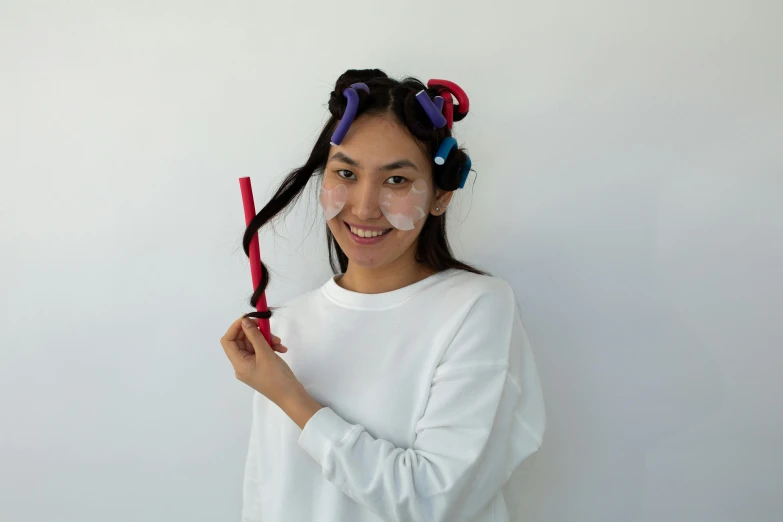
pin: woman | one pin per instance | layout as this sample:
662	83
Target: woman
409	392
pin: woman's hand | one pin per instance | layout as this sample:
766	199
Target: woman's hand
256	363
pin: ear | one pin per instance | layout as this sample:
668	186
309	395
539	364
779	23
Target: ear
442	200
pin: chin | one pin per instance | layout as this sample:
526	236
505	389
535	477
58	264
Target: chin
363	256
366	261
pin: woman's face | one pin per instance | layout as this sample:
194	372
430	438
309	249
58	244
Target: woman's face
377	161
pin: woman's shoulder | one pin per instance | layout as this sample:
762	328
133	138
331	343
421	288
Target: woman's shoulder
465	293
464	284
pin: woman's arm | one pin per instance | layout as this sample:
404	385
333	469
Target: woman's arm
468	440
300	406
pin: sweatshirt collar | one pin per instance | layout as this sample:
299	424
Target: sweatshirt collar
350	299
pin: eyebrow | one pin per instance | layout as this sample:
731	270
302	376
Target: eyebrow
399	164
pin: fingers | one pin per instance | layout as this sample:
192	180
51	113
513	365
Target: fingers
253	334
237	333
232	351
234	330
277	344
231	340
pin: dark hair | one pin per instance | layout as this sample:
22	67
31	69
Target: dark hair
386	97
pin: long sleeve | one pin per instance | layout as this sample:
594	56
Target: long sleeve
480	422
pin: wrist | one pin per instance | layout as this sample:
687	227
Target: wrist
300	406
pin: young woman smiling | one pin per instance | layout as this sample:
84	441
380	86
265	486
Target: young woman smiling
406	389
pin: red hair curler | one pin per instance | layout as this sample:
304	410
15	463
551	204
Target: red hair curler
445	89
255	256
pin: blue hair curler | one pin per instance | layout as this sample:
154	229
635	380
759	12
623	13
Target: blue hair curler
350	111
444	149
443	153
465	172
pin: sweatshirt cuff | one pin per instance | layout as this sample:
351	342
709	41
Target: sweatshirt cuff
323	431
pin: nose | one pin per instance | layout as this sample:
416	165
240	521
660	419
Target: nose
364	199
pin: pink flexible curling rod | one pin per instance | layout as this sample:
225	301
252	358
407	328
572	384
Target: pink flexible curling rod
255	255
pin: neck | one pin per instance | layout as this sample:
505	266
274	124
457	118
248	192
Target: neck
376	280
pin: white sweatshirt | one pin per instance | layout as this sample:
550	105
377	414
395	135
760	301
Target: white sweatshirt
431	401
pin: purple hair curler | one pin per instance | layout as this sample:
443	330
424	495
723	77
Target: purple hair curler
431	109
362	86
439	103
350	111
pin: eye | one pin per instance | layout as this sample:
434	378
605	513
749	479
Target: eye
347	174
400	180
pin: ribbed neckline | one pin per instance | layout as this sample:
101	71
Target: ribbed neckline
350	299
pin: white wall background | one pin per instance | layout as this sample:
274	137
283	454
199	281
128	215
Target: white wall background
629	185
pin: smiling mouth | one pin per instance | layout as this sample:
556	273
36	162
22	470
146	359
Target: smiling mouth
379	234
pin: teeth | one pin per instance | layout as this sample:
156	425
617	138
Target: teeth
366	233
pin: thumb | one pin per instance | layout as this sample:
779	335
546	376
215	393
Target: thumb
255	337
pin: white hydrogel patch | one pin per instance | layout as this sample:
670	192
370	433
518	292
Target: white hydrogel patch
404	211
333	200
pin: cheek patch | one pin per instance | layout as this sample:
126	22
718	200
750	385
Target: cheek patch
333	200
404	211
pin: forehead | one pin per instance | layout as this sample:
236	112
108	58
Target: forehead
375	140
